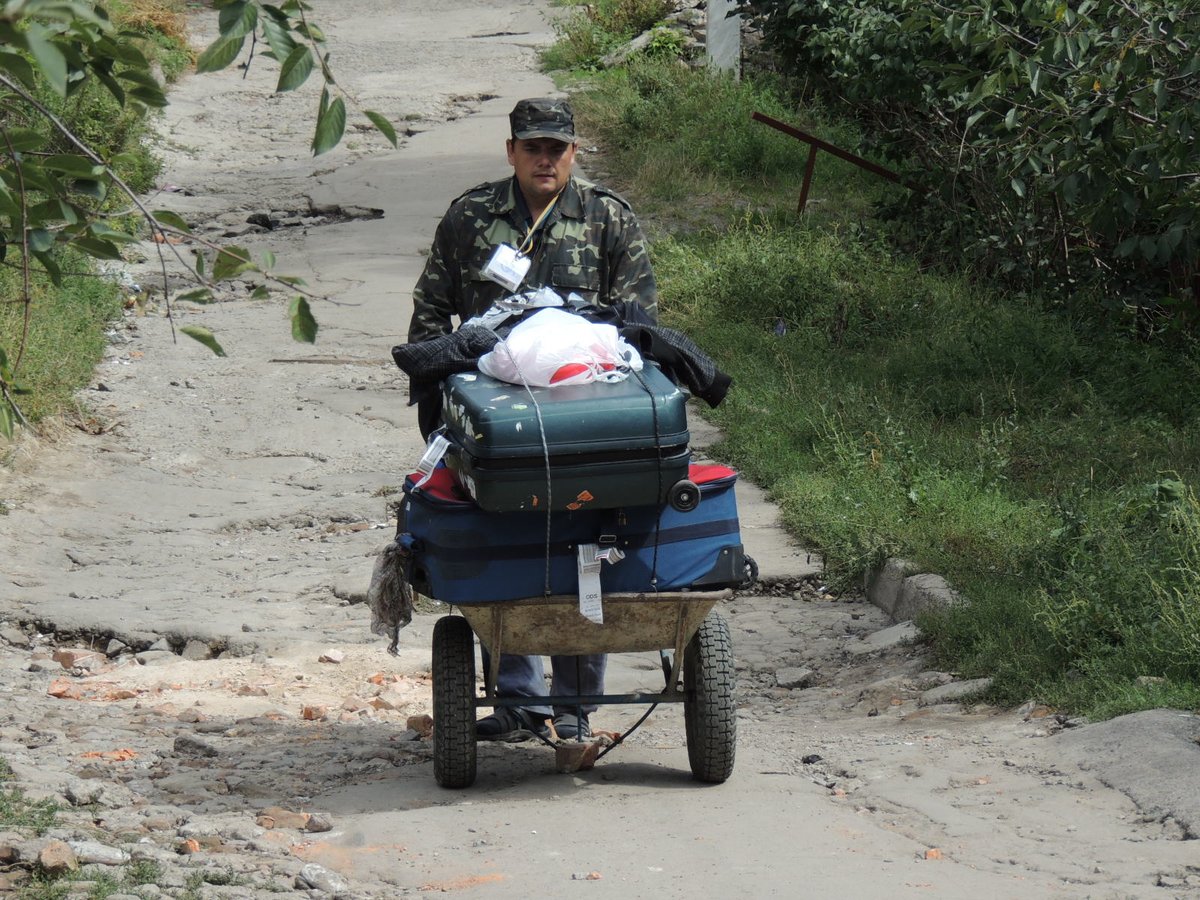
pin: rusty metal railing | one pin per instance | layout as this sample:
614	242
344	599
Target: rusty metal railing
815	144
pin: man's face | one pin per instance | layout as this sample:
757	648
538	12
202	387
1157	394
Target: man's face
542	167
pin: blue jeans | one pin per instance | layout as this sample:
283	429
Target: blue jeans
524	676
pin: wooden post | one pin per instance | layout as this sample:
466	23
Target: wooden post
808	174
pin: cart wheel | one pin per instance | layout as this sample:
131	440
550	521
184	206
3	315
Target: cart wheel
453	702
708	709
751	572
684	495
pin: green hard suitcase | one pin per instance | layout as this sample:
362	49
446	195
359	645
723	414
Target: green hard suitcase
569	447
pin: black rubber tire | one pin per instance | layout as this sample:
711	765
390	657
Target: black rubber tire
709	713
684	495
751	573
453	702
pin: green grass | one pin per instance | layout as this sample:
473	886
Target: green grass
1042	457
65	340
63	337
19	812
99	886
686	143
588	31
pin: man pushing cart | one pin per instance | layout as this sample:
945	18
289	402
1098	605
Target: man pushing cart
557	507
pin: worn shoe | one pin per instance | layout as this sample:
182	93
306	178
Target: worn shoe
511	724
570	727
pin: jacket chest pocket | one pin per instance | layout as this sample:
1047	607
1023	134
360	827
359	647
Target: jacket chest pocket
473	271
583	280
478	291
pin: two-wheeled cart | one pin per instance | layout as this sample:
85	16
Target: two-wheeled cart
690	635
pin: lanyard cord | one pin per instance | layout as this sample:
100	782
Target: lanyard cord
527	241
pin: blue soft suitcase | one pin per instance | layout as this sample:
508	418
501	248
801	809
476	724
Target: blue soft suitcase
462	554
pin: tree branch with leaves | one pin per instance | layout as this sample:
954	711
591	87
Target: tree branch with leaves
57	191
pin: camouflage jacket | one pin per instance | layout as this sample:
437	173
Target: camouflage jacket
590	244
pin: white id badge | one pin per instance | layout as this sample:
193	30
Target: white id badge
507	267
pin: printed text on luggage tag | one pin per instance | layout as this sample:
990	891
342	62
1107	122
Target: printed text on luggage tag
590	604
591	557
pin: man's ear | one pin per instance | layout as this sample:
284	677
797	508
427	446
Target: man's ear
510	148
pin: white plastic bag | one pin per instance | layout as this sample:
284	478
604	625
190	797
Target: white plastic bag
553	347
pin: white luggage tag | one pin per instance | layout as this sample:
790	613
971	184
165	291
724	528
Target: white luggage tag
434	451
507	267
590	557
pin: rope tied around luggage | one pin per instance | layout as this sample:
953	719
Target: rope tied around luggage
537	411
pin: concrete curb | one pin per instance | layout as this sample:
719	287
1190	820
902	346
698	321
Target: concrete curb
901	590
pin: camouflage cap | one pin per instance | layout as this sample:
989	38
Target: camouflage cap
543	117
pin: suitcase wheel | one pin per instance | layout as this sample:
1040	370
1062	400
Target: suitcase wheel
684	495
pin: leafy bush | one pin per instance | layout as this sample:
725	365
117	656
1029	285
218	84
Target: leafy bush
1054	143
1039	454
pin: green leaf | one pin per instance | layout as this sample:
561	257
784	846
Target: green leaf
8	203
205	337
1018	187
260	293
123	48
330	128
40	240
200	263
6	420
23	139
237	19
18	66
304	326
1010	120
268	259
230	262
103	230
96	248
151	97
311	31
220	53
295	69
293	280
383	125
1126	247
173	220
199	295
50	264
89	187
139	76
71	164
278	38
49	58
